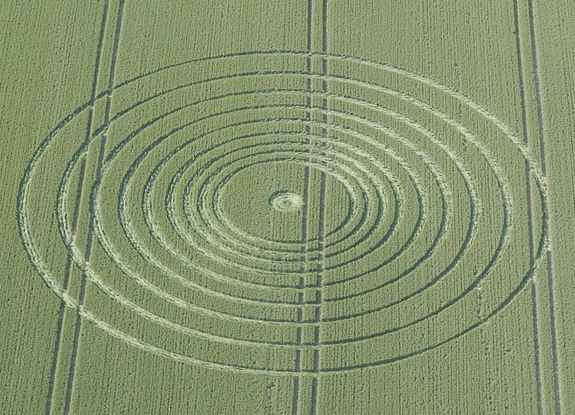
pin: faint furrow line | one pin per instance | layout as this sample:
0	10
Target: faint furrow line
546	219
319	296
303	266
83	284
304	226
76	214
534	312
321	227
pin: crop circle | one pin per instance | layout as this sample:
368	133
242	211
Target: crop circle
423	210
286	201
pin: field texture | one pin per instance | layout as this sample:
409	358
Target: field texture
294	208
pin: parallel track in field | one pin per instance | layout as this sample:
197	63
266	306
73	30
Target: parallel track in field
546	219
80	190
76	215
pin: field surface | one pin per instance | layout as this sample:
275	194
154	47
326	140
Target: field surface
293	208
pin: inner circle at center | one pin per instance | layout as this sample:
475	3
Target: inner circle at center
284	201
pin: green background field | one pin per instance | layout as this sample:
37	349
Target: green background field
484	355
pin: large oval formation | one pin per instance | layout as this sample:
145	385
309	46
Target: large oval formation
199	208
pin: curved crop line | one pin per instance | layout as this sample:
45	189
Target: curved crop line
184	329
170	193
321	167
110	250
533	165
304	54
420	351
98	215
362	62
502	191
444	147
421	193
223	219
454	157
187	204
498	173
435	169
442	183
378	185
125	269
24	226
226	367
234	368
220	78
150	148
173	355
528	276
119	148
219	215
151	222
303	148
242	108
226	94
146	203
78	258
147	206
131	234
144	313
147	124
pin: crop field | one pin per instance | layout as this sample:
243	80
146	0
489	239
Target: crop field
293	208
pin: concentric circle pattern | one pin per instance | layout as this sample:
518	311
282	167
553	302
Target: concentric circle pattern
199	251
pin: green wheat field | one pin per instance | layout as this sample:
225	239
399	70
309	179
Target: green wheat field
282	207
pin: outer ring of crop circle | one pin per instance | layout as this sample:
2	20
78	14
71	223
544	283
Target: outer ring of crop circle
42	270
